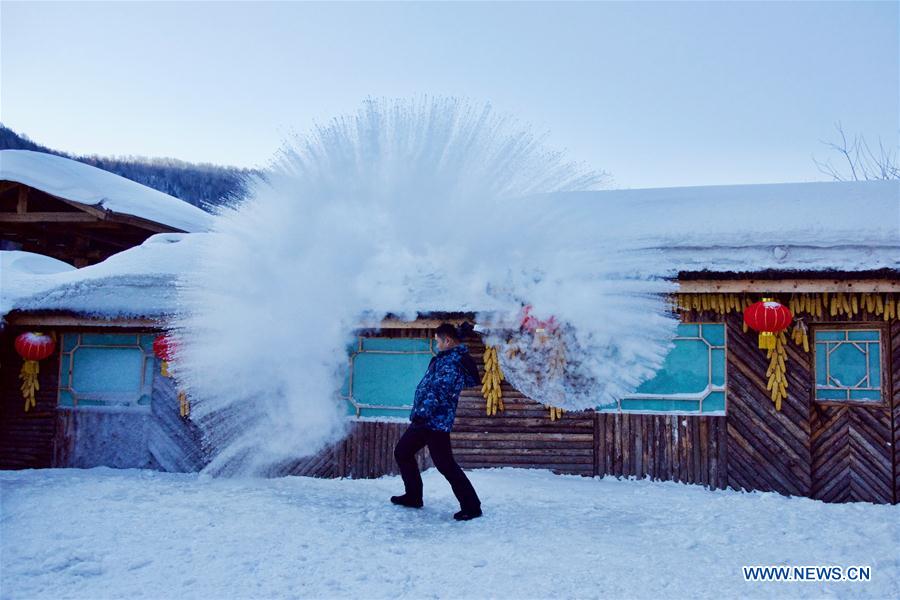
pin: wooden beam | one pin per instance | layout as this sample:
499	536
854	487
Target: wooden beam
108	215
63	320
22	205
740	286
7	185
46	217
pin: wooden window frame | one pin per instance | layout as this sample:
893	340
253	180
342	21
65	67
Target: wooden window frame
886	379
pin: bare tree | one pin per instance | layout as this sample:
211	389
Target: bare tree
857	161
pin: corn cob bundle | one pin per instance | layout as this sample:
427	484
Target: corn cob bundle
490	381
777	371
800	334
30	384
555	412
184	405
718	303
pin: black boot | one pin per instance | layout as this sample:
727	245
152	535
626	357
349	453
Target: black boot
465	515
405	500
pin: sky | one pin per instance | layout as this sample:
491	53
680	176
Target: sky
656	94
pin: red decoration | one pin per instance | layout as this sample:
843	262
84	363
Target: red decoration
32	346
164	349
533	324
768	317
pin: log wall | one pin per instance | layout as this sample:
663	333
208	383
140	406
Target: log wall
26	438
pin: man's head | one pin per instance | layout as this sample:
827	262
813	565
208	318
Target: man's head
446	336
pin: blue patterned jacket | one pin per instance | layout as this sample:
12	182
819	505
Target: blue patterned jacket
437	394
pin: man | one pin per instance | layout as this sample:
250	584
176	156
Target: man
431	417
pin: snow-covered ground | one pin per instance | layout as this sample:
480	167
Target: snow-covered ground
104	533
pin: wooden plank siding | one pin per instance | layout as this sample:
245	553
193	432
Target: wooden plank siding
823	451
827	451
682	448
26	438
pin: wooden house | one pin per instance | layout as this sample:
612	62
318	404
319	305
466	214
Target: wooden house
80	214
708	417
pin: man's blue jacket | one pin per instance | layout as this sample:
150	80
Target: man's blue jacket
437	394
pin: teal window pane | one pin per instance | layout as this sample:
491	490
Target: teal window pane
829	394
635	404
660	404
149	366
375	344
830	335
821	363
685	370
717	366
714	333
69	341
66	398
874	366
387	379
147	342
693	371
107	370
862	335
345	387
688	330
715	402
847	365
865	395
109	339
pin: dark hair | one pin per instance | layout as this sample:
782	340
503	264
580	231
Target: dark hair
448	330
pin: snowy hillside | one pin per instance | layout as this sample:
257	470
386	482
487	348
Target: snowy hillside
103	533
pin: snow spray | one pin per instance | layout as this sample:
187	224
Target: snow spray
406	206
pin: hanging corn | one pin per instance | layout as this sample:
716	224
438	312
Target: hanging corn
490	381
33	347
800	334
777	371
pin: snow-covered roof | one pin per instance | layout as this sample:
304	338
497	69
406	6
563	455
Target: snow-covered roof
818	226
811	227
77	182
138	282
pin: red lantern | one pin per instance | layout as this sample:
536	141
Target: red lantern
164	349
32	346
768	317
533	324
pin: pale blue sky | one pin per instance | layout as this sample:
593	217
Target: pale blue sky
658	94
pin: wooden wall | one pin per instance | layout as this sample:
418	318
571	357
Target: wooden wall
664	447
833	453
26	438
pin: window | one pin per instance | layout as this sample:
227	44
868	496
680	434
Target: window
384	373
848	365
106	369
692	378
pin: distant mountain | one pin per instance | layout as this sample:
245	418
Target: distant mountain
201	184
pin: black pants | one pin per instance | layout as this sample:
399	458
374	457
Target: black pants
414	439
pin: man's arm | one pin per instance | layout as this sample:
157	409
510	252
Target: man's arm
470	371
